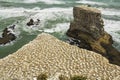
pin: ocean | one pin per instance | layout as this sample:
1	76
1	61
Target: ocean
55	17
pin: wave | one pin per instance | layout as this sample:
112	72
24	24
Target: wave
108	11
112	27
46	17
45	1
60	27
90	2
30	1
12	12
35	1
15	1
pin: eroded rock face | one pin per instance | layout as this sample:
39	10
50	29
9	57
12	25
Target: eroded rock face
88	28
46	54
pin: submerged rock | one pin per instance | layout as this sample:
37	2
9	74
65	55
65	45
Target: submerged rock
52	57
88	28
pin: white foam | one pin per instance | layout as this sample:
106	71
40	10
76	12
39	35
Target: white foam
90	2
60	27
15	1
11	31
30	29
45	1
16	31
52	1
50	14
112	27
35	1
11	12
30	1
14	12
45	15
108	11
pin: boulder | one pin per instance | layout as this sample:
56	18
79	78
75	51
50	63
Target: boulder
88	28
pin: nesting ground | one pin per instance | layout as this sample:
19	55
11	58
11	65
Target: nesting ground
47	54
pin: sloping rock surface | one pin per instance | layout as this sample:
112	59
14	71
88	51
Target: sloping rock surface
47	54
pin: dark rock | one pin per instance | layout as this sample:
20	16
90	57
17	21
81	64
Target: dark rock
12	27
37	22
88	28
7	39
5	32
31	22
78	43
7	36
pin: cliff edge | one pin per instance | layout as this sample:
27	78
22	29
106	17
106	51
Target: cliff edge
47	54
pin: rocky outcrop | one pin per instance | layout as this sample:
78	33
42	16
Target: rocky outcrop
8	38
88	28
46	54
32	22
7	35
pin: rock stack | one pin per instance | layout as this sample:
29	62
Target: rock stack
88	28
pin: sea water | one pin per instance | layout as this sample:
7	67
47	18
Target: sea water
55	17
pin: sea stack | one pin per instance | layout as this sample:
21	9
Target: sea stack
88	28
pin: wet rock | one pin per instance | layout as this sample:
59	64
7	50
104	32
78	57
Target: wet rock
78	43
31	22
12	27
7	35
88	28
5	32
8	38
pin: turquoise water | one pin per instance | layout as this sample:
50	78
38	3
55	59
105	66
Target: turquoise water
55	16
